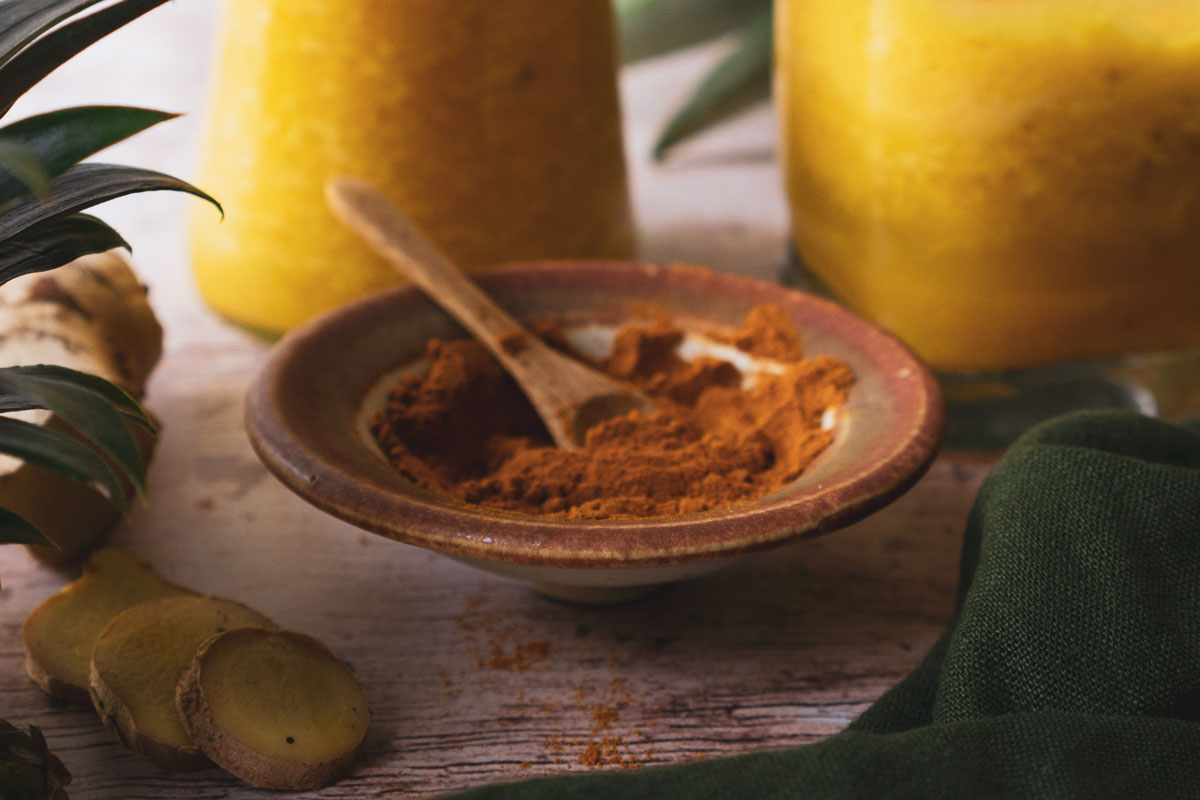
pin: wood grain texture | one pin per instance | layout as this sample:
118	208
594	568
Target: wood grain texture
473	678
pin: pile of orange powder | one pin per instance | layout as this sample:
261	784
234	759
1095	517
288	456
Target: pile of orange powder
465	430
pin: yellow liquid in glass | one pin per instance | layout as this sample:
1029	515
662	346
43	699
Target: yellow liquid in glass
494	125
1003	183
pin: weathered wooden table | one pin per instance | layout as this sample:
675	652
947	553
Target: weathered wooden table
473	678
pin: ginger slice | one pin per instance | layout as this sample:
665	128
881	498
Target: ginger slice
274	708
59	634
136	665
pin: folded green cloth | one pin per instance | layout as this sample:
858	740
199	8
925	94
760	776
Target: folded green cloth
1071	667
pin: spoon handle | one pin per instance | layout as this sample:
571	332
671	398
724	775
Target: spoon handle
568	396
394	236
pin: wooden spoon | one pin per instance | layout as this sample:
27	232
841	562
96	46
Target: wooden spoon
569	396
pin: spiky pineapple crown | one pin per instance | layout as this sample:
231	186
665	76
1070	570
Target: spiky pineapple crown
28	770
43	189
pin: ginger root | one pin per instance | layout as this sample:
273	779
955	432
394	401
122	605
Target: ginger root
91	315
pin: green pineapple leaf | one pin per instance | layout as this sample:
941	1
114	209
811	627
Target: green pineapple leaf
83	186
14	529
22	21
54	243
28	770
24	168
117	397
648	28
46	54
62	454
88	412
740	80
60	139
55	451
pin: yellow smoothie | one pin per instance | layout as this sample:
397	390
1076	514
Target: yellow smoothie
494	125
1003	183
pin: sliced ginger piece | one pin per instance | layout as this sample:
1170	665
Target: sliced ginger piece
59	634
138	660
274	708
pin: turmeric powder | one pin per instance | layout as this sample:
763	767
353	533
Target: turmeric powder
465	430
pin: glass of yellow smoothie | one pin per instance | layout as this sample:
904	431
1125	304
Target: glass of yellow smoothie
1011	186
494	125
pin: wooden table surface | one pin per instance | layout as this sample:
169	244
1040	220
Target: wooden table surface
474	678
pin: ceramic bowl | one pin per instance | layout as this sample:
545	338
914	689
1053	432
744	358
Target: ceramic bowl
307	409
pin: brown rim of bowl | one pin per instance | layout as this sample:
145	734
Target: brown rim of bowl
357	491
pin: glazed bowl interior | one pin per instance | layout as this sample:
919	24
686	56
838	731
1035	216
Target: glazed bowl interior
307	411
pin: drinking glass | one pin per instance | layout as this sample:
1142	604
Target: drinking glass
1013	188
495	126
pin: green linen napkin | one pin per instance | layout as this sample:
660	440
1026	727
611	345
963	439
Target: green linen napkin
1071	667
